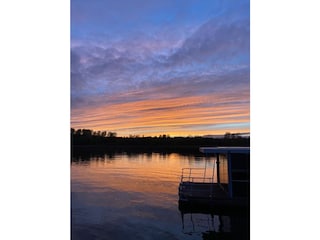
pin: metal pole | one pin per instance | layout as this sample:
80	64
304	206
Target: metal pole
218	169
205	169
230	190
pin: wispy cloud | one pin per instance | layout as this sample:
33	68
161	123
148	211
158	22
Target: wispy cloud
161	80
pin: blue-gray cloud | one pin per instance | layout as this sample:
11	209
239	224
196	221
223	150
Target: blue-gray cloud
211	57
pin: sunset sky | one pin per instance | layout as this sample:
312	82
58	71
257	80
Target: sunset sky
148	67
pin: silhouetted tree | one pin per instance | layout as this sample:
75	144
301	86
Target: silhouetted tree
227	135
86	132
111	134
78	132
134	136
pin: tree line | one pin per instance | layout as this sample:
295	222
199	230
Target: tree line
86	141
106	134
89	133
90	137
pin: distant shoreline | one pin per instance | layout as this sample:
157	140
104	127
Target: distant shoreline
85	146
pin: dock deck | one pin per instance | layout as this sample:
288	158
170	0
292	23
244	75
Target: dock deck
196	190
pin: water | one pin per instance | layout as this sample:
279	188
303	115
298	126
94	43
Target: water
136	197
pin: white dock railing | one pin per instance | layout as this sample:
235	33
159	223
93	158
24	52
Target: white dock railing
197	175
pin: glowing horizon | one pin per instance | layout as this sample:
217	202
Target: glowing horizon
160	67
175	117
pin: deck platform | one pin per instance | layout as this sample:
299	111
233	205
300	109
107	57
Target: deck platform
196	190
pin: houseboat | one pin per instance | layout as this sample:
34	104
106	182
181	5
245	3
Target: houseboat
226	186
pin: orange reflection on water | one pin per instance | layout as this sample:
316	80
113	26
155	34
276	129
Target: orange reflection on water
134	179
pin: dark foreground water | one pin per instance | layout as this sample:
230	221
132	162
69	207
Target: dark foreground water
136	197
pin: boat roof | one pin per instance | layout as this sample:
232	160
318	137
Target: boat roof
225	150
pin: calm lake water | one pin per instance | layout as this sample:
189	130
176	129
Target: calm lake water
136	197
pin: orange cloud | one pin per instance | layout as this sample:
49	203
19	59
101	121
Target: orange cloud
179	116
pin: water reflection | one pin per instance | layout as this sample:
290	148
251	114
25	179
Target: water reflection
135	196
214	223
